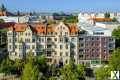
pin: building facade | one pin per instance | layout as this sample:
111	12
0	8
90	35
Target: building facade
59	43
95	49
56	42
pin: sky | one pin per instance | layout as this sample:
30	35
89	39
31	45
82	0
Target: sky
62	5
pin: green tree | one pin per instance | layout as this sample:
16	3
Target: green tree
35	73
116	34
80	71
114	61
52	78
107	15
114	20
73	72
2	21
7	67
102	73
19	64
50	21
68	73
3	8
27	71
30	68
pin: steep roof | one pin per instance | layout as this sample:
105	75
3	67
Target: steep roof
41	28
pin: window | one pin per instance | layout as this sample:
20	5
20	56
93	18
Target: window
110	45
55	39
66	53
60	33
81	45
20	46
10	46
80	38
33	47
33	40
27	40
97	50
92	38
73	39
27	46
66	46
26	34
42	39
61	46
110	39
29	34
80	56
66	61
80	50
49	60
66	33
55	61
55	33
55	46
97	38
61	53
15	39
10	40
55	53
15	46
21	33
61	39
66	39
9	34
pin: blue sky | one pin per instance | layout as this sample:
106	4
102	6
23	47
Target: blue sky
61	5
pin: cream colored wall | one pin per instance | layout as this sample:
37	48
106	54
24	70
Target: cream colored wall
61	28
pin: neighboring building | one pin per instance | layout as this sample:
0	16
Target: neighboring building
2	13
58	42
95	49
15	19
95	46
3	33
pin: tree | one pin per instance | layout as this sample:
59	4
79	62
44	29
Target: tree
2	21
107	15
73	72
19	64
52	78
114	20
64	20
3	7
116	34
7	67
18	13
102	73
35	73
68	73
114	61
27	71
80	71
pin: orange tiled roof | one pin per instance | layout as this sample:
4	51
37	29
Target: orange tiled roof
20	27
73	28
41	28
102	19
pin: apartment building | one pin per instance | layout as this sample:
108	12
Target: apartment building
3	33
95	49
58	42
